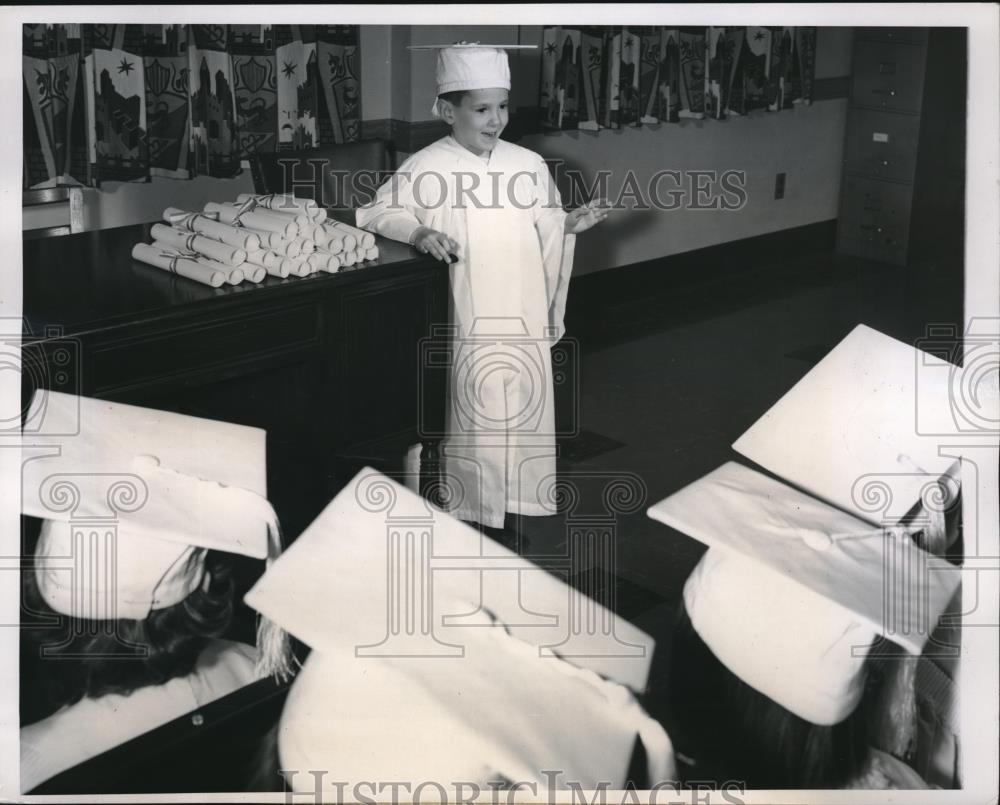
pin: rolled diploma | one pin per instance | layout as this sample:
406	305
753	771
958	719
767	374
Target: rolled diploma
273	264
279	244
320	216
213	229
298	218
249	271
183	266
314	233
234	274
230	255
365	239
347	239
348	258
306	246
299	268
254	220
280	201
335	245
372	253
324	262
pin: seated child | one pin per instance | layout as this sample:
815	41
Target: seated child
142	596
788	665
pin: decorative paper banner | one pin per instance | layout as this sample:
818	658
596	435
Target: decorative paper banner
804	65
561	76
650	68
298	83
628	79
119	117
605	77
127	102
719	58
255	73
613	59
340	100
692	72
592	66
55	140
668	96
778	69
214	145
165	63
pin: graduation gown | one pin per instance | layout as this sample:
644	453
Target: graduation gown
504	711
508	298
90	727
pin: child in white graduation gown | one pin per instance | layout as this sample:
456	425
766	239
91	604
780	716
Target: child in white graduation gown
143	601
494	207
786	622
492	707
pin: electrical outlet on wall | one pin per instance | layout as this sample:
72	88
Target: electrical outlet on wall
779	185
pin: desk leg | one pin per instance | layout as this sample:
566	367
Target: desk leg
430	470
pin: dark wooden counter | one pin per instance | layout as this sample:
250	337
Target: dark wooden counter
328	364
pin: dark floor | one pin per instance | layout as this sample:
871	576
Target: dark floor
666	386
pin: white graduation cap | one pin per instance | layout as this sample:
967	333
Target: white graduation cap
793	592
476	700
847	431
470	65
133	498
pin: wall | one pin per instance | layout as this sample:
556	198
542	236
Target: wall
805	143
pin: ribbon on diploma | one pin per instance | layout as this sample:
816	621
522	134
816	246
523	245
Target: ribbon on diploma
186	220
173	257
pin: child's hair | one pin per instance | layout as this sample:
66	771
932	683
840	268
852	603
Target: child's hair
89	662
733	733
454	98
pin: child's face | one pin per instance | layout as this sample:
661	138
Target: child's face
478	121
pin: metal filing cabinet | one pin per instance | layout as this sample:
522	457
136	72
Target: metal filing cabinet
902	192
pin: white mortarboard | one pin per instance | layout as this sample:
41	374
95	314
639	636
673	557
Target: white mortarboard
793	592
496	703
470	65
161	489
853	419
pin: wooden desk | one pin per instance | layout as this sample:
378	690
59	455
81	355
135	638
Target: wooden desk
326	364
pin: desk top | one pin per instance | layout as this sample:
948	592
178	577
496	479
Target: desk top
89	281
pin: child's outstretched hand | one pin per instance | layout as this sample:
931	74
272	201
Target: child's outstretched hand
437	244
583	218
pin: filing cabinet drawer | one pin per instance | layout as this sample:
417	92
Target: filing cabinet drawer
888	76
913	36
875	219
882	145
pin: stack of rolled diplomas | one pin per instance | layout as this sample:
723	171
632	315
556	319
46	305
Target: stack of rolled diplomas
253	237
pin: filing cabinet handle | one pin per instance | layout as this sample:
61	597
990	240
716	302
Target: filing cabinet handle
872	228
890	92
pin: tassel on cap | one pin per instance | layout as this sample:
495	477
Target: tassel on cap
273	644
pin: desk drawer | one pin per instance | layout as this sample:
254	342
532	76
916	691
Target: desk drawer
888	76
875	219
215	346
882	145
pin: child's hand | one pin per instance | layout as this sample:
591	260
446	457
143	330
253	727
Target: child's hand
583	218
437	244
